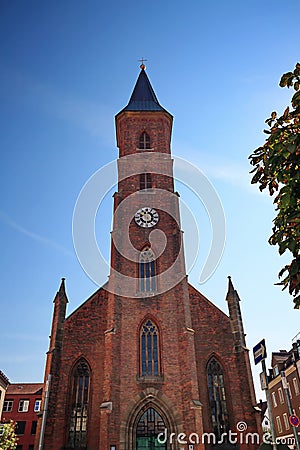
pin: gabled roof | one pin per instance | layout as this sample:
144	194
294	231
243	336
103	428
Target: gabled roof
24	388
143	97
4	378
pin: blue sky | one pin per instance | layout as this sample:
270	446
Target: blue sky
66	68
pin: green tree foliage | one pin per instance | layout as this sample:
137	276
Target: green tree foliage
277	168
8	438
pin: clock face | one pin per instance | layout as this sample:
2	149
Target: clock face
146	217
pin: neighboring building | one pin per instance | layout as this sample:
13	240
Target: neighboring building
264	415
4	382
146	354
287	362
22	404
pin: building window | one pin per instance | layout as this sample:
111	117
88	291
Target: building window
144	141
37	405
145	181
23	406
79	406
289	388
19	447
31	447
296	386
276	371
147	271
280	395
217	398
279	427
149	349
274	399
33	427
286	421
150	425
8	405
20	427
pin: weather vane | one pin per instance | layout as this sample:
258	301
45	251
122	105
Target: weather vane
142	66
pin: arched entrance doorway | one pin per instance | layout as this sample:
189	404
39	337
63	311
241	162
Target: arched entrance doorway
149	425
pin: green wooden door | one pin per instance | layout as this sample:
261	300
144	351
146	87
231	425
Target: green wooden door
149	443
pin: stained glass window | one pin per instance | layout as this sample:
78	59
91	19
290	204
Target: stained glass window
149	426
149	350
217	397
79	406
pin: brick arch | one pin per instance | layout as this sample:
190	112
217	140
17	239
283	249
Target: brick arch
154	319
216	356
76	362
149	398
143	246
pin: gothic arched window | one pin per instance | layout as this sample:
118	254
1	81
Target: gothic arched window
149	350
79	406
147	271
217	398
144	141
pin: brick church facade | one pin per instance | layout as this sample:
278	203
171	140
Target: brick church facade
147	362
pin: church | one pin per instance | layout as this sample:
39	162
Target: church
147	361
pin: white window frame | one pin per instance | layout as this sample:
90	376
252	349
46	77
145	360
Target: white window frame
274	399
8	405
37	405
296	386
23	406
280	395
289	388
279	426
286	421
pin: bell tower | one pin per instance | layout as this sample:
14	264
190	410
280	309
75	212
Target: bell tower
147	249
148	306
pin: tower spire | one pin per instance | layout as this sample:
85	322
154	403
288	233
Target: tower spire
143	97
233	301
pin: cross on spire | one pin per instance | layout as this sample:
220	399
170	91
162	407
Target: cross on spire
142	66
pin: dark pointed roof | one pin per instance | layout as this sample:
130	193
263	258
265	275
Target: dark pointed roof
230	286
143	97
61	294
231	293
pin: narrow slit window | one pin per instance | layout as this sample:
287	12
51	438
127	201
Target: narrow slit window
145	181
